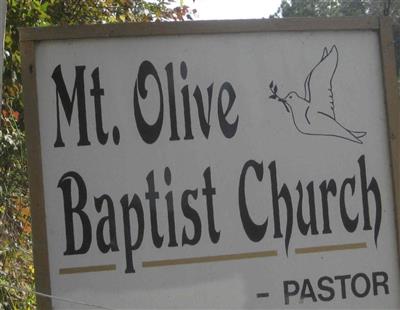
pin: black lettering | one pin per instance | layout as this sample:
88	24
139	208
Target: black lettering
204	123
290	288
192	215
170	207
325	190
312	224
129	247
102	244
383	283
68	103
209	191
342	280
354	285
307	291
285	195
349	224
97	92
172	106
365	189
228	129
254	231
149	133
152	197
186	104
326	288
65	184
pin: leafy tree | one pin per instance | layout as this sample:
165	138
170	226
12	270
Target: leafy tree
16	267
307	8
329	8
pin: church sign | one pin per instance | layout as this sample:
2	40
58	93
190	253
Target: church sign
230	164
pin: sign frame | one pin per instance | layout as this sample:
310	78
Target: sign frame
29	37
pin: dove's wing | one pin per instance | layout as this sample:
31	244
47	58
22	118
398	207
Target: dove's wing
318	83
307	81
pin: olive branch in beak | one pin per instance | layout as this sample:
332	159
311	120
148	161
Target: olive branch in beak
274	95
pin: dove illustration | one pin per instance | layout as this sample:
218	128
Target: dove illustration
314	114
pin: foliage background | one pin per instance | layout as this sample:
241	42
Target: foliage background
16	266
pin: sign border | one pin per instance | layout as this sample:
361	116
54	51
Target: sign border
29	37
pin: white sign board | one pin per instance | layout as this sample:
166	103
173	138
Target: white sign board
216	170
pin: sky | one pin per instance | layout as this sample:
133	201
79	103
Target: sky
233	9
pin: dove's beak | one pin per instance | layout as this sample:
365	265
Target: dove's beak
285	104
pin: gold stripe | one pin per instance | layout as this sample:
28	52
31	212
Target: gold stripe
88	269
328	248
207	259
